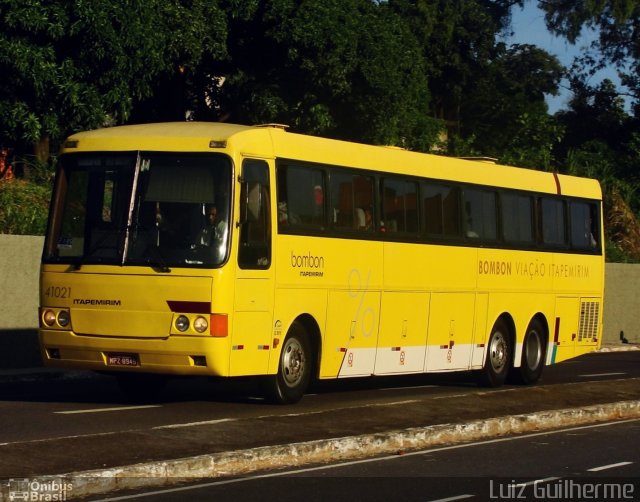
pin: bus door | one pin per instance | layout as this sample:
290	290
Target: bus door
404	318
450	336
253	303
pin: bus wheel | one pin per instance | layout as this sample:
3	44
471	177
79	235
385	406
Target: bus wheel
294	370
533	352
498	359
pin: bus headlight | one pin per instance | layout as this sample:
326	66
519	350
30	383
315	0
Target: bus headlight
63	318
49	317
182	323
200	324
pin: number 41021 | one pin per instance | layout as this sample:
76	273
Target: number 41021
58	292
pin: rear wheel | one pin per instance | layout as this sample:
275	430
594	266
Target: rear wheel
533	354
294	369
499	355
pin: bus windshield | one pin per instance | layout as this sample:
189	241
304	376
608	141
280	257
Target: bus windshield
141	208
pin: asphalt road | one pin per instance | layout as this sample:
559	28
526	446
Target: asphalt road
93	404
599	462
56	426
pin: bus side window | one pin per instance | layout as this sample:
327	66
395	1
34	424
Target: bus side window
441	206
255	222
480	213
399	206
552	222
517	218
352	199
300	197
584	225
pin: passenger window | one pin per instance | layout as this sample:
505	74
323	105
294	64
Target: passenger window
584	225
352	201
441	206
399	206
301	198
552	222
480	214
517	218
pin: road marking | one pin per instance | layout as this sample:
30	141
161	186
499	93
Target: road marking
610	466
113	433
411	387
601	375
537	481
450	499
342	408
449	396
193	424
100	410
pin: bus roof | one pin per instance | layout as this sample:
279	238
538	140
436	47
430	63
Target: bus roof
272	141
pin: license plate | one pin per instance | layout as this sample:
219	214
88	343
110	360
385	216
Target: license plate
123	360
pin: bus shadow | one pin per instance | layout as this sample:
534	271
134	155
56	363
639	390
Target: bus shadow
19	348
95	388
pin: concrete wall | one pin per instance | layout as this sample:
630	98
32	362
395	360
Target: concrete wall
19	279
19	269
622	302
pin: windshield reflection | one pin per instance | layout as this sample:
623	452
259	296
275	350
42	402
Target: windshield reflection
155	209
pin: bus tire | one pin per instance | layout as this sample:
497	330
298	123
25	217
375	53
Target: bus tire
533	354
289	384
499	355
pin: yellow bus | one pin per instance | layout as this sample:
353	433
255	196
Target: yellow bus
227	250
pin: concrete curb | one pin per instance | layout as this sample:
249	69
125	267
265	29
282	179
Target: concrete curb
242	462
616	348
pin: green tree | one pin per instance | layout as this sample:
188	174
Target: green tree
505	111
349	69
458	41
618	25
491	96
71	65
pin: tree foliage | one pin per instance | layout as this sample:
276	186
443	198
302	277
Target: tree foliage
344	68
510	94
70	65
617	23
385	72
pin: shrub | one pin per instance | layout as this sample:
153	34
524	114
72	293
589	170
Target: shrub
24	206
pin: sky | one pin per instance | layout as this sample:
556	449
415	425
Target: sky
529	28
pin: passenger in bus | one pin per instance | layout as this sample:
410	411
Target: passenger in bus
285	216
214	231
593	243
317	216
364	218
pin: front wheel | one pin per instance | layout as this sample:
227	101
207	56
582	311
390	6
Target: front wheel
498	359
294	369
